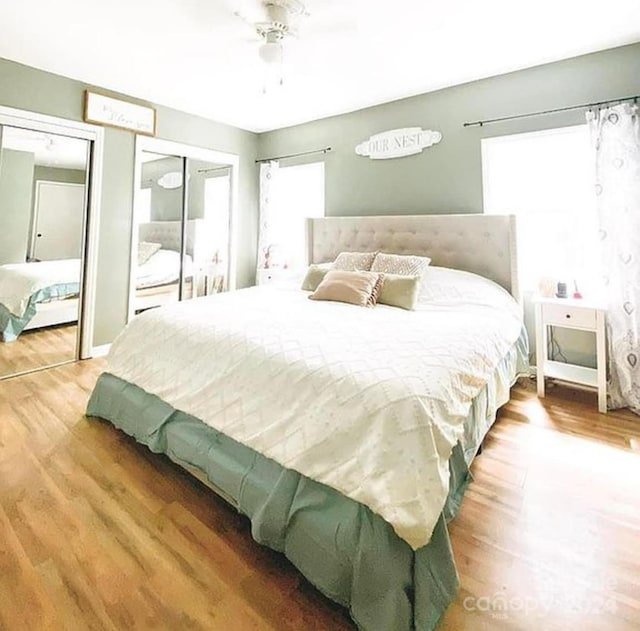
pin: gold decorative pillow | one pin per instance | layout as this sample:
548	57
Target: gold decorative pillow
315	275
402	265
400	291
356	288
354	261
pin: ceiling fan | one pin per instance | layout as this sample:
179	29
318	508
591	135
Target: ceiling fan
275	21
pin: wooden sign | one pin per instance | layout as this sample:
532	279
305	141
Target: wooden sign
398	143
105	110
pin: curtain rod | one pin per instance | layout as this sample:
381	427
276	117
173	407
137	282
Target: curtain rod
295	155
559	109
227	166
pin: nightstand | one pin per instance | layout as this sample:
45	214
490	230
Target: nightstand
581	315
274	275
209	279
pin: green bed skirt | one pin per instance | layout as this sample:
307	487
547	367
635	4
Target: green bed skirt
349	553
12	325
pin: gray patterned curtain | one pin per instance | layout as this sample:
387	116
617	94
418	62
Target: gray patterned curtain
616	137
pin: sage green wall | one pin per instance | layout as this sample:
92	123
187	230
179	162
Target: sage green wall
56	174
166	203
447	178
16	176
30	89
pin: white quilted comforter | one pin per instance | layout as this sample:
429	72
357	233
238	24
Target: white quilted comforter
19	281
367	401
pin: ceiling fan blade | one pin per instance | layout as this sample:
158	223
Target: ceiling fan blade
327	17
250	11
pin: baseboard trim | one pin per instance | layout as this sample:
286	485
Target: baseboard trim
100	351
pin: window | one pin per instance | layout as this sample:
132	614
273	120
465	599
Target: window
217	198
298	193
546	179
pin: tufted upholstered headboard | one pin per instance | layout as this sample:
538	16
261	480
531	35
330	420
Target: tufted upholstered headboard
482	244
169	235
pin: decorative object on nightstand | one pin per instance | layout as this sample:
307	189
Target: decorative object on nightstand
576	292
547	287
582	315
562	290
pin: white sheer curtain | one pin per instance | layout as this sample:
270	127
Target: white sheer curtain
266	239
616	138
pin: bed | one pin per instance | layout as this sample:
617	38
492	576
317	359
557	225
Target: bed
46	293
345	434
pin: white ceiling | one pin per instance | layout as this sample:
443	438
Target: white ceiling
195	55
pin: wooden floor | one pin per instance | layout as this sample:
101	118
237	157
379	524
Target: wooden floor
98	533
37	348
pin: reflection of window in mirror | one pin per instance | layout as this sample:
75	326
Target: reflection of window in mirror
216	204
215	230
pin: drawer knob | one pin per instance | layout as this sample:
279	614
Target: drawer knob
568	315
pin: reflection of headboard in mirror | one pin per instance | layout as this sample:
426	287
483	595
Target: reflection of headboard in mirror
482	244
169	235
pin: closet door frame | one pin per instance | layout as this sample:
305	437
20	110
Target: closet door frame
190	152
94	134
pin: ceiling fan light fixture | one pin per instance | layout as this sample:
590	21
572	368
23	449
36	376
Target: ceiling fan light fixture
270	50
270	53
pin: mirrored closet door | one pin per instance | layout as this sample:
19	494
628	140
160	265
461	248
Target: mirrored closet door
208	226
43	204
158	213
182	233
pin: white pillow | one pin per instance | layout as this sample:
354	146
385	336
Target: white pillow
445	286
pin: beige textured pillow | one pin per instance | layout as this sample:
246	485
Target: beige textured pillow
354	261
315	275
400	291
146	249
356	288
402	265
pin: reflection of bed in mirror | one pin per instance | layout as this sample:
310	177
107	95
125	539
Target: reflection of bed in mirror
46	293
158	277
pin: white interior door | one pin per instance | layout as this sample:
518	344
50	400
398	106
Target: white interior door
58	218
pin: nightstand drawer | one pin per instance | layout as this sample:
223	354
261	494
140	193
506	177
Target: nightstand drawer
276	276
569	316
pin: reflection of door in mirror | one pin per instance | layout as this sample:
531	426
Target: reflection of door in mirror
43	213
